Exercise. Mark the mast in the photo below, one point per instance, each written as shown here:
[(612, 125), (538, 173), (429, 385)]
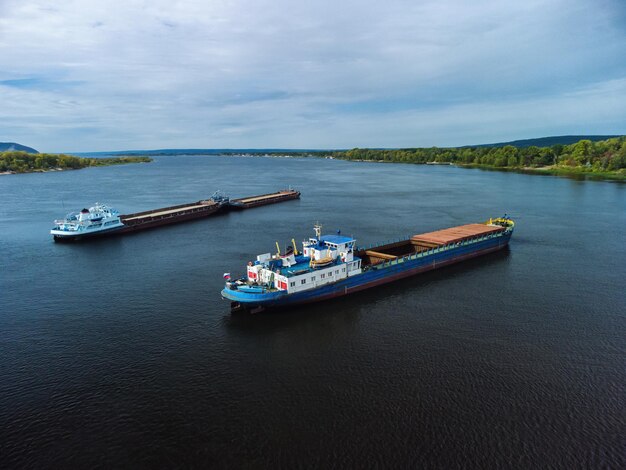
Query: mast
[(318, 231)]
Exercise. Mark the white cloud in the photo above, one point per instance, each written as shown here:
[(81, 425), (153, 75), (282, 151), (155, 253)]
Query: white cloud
[(135, 74)]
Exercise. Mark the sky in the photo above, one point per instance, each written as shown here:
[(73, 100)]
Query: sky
[(93, 75)]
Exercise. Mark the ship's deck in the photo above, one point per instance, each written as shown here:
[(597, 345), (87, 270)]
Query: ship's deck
[(423, 242), (456, 234), (296, 269), (170, 211), (261, 198)]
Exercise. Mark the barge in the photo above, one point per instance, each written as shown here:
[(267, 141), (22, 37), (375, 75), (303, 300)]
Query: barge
[(332, 265), (264, 199), (170, 215), (100, 221)]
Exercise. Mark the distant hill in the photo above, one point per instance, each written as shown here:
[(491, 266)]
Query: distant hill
[(194, 152), (10, 146), (548, 141), (540, 142)]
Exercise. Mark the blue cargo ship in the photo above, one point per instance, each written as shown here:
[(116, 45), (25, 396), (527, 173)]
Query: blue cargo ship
[(332, 265)]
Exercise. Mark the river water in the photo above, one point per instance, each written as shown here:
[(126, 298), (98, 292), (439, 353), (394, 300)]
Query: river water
[(120, 352)]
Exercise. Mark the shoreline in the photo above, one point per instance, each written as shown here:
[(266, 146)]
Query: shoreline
[(49, 170), (586, 159), (575, 172), (24, 164)]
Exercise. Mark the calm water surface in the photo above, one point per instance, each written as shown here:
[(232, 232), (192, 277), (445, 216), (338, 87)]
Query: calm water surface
[(120, 352)]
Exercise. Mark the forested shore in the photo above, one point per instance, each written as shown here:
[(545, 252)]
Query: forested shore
[(23, 162), (605, 158)]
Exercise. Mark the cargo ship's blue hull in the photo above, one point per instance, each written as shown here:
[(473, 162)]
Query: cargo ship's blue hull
[(374, 276)]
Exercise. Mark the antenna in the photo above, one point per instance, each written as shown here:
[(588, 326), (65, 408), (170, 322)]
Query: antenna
[(318, 230)]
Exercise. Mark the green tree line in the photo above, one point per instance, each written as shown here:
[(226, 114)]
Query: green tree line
[(23, 162), (601, 156)]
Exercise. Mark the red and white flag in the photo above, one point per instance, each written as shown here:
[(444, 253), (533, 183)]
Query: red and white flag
[(227, 276)]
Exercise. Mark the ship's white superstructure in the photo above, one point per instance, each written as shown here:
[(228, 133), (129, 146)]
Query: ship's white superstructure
[(325, 259), (88, 222)]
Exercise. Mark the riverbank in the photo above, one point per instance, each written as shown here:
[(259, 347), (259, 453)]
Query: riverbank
[(15, 162), (576, 172), (566, 172), (585, 159)]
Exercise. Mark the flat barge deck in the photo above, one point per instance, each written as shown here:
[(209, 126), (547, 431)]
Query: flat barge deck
[(264, 199), (200, 209), (169, 215)]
